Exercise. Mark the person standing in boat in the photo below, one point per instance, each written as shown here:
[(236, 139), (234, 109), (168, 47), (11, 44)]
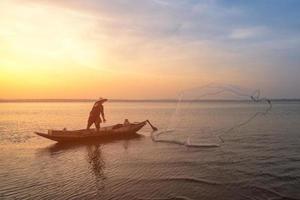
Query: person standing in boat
[(95, 113)]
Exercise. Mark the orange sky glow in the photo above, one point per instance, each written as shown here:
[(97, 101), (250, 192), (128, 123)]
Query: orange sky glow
[(52, 49)]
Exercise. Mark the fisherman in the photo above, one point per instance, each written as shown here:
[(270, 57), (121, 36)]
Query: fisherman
[(95, 113)]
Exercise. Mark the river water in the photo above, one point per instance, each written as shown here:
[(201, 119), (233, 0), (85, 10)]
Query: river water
[(259, 160)]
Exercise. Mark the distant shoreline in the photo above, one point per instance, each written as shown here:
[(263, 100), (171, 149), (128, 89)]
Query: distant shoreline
[(124, 100)]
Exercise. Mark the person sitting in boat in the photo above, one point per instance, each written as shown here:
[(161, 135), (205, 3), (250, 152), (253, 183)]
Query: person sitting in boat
[(126, 122), (95, 113)]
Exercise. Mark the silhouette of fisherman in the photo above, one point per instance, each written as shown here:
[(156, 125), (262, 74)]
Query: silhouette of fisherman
[(95, 113)]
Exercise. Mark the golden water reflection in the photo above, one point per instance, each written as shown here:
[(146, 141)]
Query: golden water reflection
[(88, 151)]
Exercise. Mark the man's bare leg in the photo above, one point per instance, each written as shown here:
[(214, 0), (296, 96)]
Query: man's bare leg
[(97, 124)]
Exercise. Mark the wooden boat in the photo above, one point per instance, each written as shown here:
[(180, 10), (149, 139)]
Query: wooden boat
[(116, 131)]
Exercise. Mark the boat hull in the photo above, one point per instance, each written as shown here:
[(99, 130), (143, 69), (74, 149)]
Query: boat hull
[(111, 132)]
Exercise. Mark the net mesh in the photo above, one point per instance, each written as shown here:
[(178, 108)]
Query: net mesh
[(204, 115)]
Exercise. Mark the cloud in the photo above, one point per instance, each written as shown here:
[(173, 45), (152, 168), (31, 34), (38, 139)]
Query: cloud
[(248, 32), (183, 37)]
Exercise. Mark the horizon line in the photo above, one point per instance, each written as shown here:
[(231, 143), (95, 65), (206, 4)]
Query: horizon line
[(49, 100)]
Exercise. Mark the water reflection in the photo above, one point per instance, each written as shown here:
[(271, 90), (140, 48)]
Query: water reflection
[(95, 159), (90, 154), (97, 165), (93, 148)]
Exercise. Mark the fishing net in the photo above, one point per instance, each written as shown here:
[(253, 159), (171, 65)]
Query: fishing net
[(205, 115)]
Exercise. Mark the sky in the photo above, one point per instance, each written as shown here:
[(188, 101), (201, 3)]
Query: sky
[(147, 49)]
